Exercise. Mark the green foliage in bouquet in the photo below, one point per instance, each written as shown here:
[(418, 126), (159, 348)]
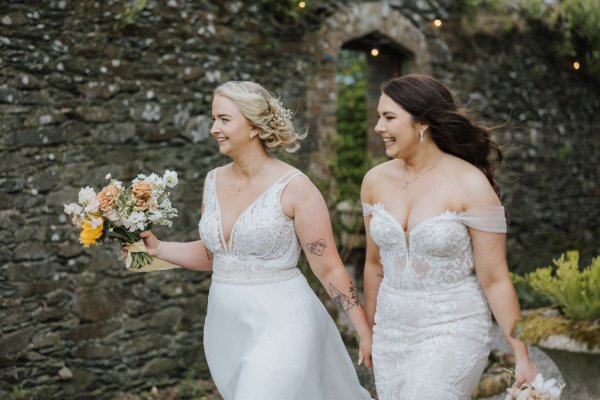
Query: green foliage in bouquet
[(576, 291)]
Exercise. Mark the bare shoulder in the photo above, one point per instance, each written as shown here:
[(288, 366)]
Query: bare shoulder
[(375, 174), (474, 187)]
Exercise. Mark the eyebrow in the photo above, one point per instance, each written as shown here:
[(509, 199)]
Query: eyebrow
[(387, 113), (223, 115)]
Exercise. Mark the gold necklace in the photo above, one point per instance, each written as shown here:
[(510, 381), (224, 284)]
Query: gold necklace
[(239, 187), (406, 182)]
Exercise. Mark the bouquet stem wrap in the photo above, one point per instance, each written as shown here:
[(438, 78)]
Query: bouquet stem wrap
[(156, 265)]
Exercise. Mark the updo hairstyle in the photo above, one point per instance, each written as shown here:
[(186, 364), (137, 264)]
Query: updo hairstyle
[(265, 112)]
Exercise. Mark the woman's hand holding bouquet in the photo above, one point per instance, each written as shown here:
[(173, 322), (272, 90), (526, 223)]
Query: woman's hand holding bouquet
[(123, 213)]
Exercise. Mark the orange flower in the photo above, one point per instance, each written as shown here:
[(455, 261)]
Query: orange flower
[(90, 235), (108, 197), (142, 190)]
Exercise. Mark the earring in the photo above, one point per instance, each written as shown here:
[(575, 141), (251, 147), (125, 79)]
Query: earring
[(422, 135)]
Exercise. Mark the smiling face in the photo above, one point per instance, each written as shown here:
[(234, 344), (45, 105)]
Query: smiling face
[(397, 128), (230, 128)]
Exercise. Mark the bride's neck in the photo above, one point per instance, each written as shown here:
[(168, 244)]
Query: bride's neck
[(247, 166), (422, 159)]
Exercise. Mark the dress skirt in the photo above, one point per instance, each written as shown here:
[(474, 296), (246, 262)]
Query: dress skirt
[(276, 341), (430, 345)]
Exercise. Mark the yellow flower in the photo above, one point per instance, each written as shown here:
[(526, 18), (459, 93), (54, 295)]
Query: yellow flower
[(90, 235)]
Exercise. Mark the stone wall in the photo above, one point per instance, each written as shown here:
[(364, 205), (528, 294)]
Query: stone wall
[(87, 88)]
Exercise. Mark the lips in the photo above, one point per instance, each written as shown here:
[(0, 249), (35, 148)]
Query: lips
[(388, 140)]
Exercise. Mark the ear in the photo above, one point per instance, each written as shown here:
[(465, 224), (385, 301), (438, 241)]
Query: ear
[(420, 126), (255, 131)]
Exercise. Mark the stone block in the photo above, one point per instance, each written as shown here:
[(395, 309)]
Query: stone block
[(159, 366), (97, 304), (168, 319), (15, 341)]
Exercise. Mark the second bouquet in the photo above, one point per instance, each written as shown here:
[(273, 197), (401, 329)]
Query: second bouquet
[(122, 213)]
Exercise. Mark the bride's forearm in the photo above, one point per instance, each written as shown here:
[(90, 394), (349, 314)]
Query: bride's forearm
[(505, 306), (344, 292), (189, 255)]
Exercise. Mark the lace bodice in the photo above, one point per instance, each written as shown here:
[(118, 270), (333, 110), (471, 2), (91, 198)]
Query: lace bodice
[(262, 246), (437, 253)]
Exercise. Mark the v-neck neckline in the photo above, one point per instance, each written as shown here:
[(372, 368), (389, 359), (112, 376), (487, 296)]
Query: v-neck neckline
[(227, 244)]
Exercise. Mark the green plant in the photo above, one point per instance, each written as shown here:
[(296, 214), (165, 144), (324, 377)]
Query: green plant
[(577, 25), (350, 160), (576, 291), (131, 12), (191, 388), (528, 297)]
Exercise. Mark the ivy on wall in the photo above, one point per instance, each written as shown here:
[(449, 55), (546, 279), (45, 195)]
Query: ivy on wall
[(573, 26), (350, 159)]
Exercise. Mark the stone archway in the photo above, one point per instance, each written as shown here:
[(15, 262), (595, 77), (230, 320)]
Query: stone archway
[(352, 23)]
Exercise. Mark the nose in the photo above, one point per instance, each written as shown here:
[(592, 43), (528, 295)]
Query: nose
[(379, 126), (214, 128)]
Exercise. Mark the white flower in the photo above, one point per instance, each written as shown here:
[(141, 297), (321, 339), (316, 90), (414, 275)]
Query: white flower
[(165, 204), (170, 178), (546, 387), (92, 206), (154, 179), (111, 215), (86, 195), (135, 221), (77, 220), (73, 209), (536, 390), (154, 215), (108, 176), (95, 221)]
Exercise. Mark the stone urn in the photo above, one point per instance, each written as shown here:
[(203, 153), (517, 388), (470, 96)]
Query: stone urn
[(573, 345)]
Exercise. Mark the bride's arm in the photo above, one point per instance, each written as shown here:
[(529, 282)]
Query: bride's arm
[(372, 275), (373, 271), (189, 255), (489, 251), (313, 228)]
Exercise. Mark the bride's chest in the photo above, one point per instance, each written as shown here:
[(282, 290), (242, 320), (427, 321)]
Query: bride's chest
[(441, 236)]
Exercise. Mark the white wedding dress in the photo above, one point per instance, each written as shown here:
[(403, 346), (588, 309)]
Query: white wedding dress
[(432, 323), (266, 335)]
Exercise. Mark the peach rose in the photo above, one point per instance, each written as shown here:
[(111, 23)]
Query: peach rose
[(142, 190), (108, 197)]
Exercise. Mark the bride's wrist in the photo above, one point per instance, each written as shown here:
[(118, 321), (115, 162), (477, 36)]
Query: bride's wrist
[(157, 254)]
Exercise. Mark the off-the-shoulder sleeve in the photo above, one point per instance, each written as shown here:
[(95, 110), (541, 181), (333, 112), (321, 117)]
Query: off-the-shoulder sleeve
[(488, 219)]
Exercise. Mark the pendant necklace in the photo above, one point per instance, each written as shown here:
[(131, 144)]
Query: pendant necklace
[(237, 186), (406, 182)]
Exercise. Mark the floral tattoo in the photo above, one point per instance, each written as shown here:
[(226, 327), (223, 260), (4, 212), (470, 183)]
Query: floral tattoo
[(317, 247), (341, 300)]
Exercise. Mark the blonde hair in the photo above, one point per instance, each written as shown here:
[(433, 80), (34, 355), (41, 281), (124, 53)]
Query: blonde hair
[(265, 112)]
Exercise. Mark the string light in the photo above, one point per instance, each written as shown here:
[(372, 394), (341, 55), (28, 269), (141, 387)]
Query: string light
[(437, 23), (576, 65), (302, 4), (374, 52)]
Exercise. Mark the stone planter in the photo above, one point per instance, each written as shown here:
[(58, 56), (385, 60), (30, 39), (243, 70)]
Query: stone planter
[(574, 346)]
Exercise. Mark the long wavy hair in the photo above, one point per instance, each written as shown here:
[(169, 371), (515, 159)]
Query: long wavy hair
[(451, 127)]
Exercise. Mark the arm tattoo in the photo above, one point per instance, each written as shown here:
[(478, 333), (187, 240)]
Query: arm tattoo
[(317, 247), (341, 300)]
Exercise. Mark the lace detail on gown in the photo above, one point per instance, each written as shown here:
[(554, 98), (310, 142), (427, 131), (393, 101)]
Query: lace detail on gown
[(262, 246), (432, 322)]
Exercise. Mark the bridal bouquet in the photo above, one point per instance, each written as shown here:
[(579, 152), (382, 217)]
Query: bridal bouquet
[(122, 213), (539, 389)]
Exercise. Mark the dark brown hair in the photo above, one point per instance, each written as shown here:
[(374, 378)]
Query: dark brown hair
[(452, 129)]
